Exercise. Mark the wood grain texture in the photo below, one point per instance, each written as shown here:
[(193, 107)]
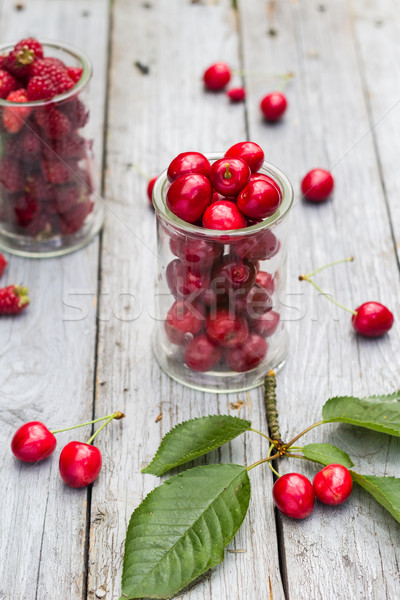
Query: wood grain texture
[(47, 358), (350, 551), (151, 119)]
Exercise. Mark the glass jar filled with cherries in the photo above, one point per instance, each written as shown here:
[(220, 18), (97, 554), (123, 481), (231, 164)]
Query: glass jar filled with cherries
[(222, 229)]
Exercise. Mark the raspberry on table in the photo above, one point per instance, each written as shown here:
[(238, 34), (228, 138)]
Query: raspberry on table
[(13, 299), (53, 122), (8, 83)]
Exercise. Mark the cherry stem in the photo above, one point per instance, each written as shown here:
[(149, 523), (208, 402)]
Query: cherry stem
[(289, 444), (332, 264), (242, 72), (117, 415), (227, 174), (269, 464), (285, 80), (263, 460), (140, 171), (328, 296), (264, 435)]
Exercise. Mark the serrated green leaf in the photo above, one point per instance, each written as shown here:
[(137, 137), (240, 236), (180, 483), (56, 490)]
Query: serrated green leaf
[(327, 454), (194, 438), (380, 413), (386, 490), (181, 529)]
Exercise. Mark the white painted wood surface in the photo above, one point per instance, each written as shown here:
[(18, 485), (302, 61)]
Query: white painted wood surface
[(57, 542)]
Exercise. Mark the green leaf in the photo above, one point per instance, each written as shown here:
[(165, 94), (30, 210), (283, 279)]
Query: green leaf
[(380, 413), (181, 528), (194, 438), (326, 454), (386, 490)]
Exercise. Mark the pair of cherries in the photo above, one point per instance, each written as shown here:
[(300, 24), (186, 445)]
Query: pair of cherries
[(295, 495), (79, 463), (228, 194), (217, 77)]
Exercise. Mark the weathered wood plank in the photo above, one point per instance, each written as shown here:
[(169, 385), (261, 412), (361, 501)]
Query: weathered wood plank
[(349, 551), (152, 118), (47, 357)]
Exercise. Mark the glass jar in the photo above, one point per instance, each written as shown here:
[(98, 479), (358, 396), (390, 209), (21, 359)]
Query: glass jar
[(219, 296), (48, 203)]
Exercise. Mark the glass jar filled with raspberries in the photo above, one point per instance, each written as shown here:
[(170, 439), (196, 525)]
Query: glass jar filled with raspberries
[(48, 204), (222, 228)]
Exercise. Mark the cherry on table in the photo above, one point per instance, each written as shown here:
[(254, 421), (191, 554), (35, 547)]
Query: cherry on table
[(201, 354), (317, 185), (217, 76), (333, 484), (273, 106), (260, 198), (372, 319), (247, 356), (250, 152), (223, 215), (237, 94), (225, 329), (294, 495), (229, 175), (150, 187), (189, 196), (188, 162), (33, 442), (184, 320), (79, 464)]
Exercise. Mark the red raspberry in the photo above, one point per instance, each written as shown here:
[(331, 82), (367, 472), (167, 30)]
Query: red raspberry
[(77, 113), (57, 172), (38, 188), (75, 73), (62, 81), (11, 175), (53, 122), (3, 264), (40, 224), (30, 44), (13, 299), (72, 221), (19, 62), (40, 88), (26, 209), (44, 67), (71, 147), (69, 196), (31, 146), (54, 71), (14, 118), (8, 83)]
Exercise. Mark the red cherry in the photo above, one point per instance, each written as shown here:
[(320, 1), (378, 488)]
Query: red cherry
[(247, 356), (217, 76), (333, 484), (189, 282), (262, 246), (229, 175), (199, 255), (266, 280), (237, 94), (251, 153), (231, 274), (201, 354), (216, 197), (188, 162), (266, 324), (189, 196), (273, 106), (225, 329), (183, 321), (372, 319), (294, 495), (33, 442), (253, 303), (259, 199), (223, 215), (317, 185), (150, 189), (80, 464)]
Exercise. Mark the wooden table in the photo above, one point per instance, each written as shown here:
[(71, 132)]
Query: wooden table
[(83, 346)]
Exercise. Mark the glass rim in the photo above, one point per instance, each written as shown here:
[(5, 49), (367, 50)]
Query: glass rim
[(75, 52), (269, 169)]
